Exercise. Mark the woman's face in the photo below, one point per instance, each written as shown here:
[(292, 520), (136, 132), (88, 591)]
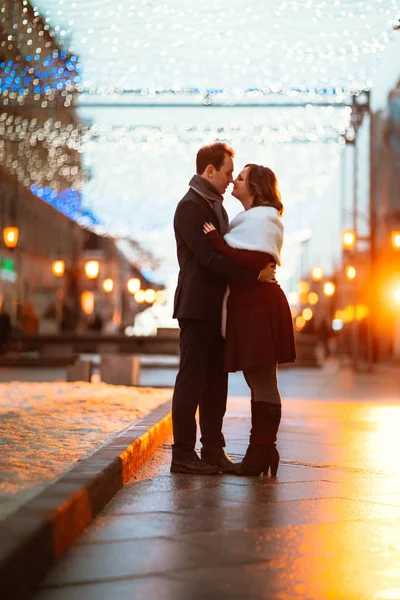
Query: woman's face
[(241, 190)]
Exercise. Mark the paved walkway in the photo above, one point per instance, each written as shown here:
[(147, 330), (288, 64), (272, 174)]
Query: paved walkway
[(327, 528)]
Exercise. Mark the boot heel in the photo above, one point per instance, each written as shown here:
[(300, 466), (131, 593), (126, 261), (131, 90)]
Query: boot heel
[(272, 462)]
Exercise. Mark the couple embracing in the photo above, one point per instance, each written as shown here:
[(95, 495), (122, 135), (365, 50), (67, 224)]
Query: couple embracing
[(233, 315)]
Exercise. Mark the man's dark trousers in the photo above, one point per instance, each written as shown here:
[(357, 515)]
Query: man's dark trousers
[(201, 383)]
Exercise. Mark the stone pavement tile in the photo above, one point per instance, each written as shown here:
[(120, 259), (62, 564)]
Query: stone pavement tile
[(282, 514), (141, 525), (327, 561), (226, 491), (209, 494), (90, 563), (143, 588)]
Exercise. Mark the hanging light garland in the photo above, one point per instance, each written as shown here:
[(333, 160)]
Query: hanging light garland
[(279, 45), (140, 51)]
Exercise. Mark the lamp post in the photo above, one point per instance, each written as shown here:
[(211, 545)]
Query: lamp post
[(11, 237), (58, 269)]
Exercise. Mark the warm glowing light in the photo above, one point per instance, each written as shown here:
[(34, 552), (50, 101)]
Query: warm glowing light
[(108, 285), (396, 240), (313, 298), (299, 323), (58, 268), (396, 295), (160, 296), (307, 314), (329, 288), (87, 302), (349, 314), (317, 274), (149, 296), (10, 235), (139, 296), (303, 287), (133, 285), (92, 268), (362, 311), (350, 272), (348, 239), (293, 298)]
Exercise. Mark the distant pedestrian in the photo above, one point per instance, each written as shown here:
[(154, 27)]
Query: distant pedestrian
[(96, 323), (325, 334), (29, 321), (5, 330)]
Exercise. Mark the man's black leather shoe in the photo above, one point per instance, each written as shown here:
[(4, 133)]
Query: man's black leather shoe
[(217, 457), (193, 465)]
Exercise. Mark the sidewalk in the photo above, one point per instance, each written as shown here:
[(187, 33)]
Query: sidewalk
[(327, 528)]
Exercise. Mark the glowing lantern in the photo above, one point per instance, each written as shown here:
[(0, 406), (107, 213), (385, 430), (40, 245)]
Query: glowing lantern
[(307, 314), (58, 268), (92, 268), (139, 296), (317, 274), (108, 285), (348, 239), (350, 272), (133, 285), (149, 296), (10, 235), (313, 298), (87, 302), (303, 287), (329, 288), (395, 240)]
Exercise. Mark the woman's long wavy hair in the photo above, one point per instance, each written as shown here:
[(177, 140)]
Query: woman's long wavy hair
[(263, 185)]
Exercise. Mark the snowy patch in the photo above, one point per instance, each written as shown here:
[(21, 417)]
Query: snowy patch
[(45, 428)]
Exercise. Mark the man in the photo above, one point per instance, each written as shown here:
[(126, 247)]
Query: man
[(201, 382)]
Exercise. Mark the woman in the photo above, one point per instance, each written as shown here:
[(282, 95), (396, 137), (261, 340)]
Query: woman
[(259, 328)]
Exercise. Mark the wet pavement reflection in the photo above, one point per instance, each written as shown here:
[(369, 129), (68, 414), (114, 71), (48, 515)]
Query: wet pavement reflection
[(327, 528)]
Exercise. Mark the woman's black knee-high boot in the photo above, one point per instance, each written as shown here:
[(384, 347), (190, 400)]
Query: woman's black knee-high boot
[(262, 454)]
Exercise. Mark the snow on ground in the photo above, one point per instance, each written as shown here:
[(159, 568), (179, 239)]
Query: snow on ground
[(46, 427)]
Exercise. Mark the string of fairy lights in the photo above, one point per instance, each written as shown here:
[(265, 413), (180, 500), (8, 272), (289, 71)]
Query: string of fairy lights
[(54, 54), (176, 45)]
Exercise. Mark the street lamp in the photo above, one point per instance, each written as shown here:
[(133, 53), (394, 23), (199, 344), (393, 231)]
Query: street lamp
[(348, 239), (317, 274), (160, 296), (58, 268), (139, 296), (10, 235), (149, 296), (108, 285), (350, 272), (329, 288), (133, 285), (395, 235), (92, 268), (313, 298), (303, 287)]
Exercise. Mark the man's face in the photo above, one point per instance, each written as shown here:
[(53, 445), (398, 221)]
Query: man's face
[(222, 178)]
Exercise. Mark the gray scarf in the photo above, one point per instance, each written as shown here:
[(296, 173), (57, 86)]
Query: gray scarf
[(206, 190)]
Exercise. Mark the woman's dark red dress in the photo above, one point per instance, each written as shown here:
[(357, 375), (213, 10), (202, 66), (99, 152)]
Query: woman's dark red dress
[(259, 327)]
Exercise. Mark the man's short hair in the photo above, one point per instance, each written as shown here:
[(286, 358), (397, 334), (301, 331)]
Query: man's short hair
[(213, 154)]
